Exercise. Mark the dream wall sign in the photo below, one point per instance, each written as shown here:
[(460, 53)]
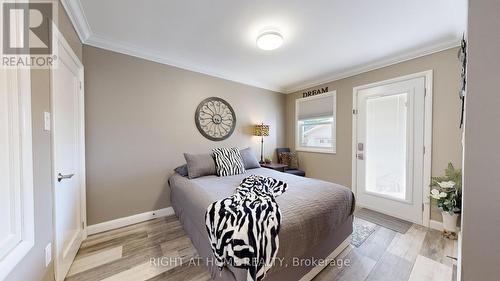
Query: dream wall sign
[(315, 92)]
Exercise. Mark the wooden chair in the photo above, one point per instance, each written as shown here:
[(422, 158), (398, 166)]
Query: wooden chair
[(296, 172)]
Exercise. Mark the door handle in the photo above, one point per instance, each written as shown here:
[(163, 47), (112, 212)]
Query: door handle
[(360, 146), (61, 177), (360, 156)]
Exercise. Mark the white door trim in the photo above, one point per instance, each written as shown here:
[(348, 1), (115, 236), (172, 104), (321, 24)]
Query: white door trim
[(60, 40), (17, 87), (428, 75)]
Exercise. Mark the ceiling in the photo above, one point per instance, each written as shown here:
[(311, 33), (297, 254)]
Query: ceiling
[(324, 39)]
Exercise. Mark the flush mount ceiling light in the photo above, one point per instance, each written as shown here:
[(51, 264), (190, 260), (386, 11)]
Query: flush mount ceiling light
[(269, 40)]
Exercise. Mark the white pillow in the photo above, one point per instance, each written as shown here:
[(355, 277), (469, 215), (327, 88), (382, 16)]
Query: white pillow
[(228, 161)]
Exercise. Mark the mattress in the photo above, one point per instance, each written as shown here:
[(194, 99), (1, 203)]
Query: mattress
[(316, 218)]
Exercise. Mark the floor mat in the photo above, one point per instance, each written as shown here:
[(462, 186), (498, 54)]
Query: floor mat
[(384, 220), (361, 230)]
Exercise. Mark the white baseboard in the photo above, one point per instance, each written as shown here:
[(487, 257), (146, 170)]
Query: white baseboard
[(437, 225), (121, 222), (317, 269)]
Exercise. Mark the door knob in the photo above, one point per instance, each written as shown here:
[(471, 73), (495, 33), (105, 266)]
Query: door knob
[(61, 177)]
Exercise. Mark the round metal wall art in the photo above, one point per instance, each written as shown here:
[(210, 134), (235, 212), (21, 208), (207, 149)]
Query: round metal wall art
[(215, 119)]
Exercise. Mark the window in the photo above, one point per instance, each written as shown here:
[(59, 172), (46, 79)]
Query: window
[(316, 123)]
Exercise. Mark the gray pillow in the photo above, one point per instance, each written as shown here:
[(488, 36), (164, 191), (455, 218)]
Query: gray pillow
[(249, 159), (182, 170), (199, 165)]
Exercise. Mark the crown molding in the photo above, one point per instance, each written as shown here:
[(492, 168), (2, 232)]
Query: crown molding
[(82, 27), (99, 42), (77, 17), (88, 37), (376, 65)]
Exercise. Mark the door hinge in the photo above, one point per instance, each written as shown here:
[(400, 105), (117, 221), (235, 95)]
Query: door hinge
[(424, 149), (80, 85), (422, 207), (425, 92), (83, 225), (355, 111)]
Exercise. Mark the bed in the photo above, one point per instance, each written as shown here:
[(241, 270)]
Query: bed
[(316, 220)]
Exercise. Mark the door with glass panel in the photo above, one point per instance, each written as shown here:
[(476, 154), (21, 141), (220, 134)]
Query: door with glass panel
[(389, 145)]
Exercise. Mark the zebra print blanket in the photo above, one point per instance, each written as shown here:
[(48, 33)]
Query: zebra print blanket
[(243, 228)]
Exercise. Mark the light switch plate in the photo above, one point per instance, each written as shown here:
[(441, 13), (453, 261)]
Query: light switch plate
[(48, 254), (46, 121)]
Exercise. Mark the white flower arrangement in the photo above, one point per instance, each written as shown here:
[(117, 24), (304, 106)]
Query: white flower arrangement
[(436, 194), (446, 196), (447, 190), (446, 184)]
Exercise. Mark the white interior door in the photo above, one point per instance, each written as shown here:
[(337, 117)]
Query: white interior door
[(389, 148), (68, 162)]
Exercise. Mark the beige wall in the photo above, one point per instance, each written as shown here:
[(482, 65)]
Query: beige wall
[(446, 139), (32, 267), (67, 29), (140, 119), (481, 208)]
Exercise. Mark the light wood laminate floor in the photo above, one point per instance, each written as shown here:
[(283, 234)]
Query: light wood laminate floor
[(124, 254)]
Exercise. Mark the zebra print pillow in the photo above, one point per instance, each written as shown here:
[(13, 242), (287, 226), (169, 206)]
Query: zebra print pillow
[(228, 161)]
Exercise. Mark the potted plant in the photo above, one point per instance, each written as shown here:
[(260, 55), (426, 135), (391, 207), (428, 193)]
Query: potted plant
[(447, 191), (268, 159)]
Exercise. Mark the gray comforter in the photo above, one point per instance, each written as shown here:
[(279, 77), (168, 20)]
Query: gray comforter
[(311, 210)]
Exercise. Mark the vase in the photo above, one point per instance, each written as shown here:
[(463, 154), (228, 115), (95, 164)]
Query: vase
[(450, 222)]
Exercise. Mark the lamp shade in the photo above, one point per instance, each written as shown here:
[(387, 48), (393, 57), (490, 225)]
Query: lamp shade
[(261, 130)]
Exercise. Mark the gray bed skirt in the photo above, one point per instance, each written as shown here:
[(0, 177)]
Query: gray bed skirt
[(279, 272)]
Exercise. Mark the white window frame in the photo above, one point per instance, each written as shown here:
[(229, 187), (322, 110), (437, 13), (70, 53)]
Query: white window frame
[(298, 147), (21, 167), (18, 93)]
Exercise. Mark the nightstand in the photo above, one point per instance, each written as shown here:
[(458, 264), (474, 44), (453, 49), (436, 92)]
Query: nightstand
[(275, 166)]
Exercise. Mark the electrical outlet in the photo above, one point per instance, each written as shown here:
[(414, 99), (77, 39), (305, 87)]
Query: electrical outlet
[(46, 121), (48, 254)]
